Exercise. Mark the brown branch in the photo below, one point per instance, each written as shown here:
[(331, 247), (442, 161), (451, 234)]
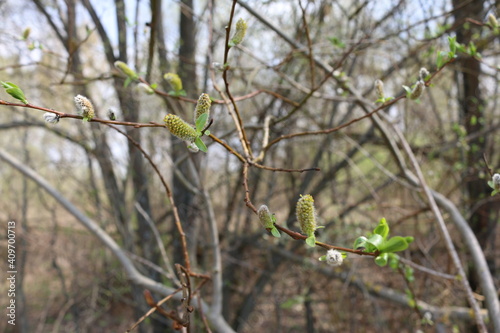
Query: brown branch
[(244, 140), (299, 236), (247, 200), (177, 218)]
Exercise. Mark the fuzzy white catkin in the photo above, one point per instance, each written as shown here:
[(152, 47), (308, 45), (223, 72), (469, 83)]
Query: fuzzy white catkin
[(334, 258)]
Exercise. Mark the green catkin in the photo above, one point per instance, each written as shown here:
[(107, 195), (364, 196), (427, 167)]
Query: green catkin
[(123, 67), (306, 214), (239, 35), (180, 128), (84, 107), (202, 107), (379, 86), (174, 80), (265, 217), (492, 20)]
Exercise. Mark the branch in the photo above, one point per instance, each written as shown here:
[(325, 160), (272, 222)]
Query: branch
[(133, 274)]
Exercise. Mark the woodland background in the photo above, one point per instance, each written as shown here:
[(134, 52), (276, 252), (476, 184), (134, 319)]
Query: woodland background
[(304, 69)]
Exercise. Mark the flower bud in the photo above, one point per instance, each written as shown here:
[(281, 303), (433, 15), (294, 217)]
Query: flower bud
[(174, 80), (492, 20), (265, 217), (379, 86), (423, 73), (417, 90), (306, 215), (111, 114), (180, 128), (203, 106), (241, 30), (84, 107), (51, 118), (123, 67), (145, 88), (193, 147), (334, 258), (26, 33), (496, 181)]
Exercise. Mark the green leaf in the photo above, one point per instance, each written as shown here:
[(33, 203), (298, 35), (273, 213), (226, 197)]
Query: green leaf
[(14, 91), (382, 229), (200, 144), (395, 244), (440, 59), (382, 259), (128, 80), (452, 43), (360, 243), (407, 89), (201, 121), (336, 42), (275, 232), (376, 241), (322, 258), (311, 241), (393, 260), (154, 85)]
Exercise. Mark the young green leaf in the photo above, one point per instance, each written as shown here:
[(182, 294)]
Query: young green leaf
[(311, 241), (275, 232), (201, 121), (394, 244), (360, 243), (382, 259), (440, 61), (200, 144), (14, 91), (375, 241), (382, 229), (452, 43)]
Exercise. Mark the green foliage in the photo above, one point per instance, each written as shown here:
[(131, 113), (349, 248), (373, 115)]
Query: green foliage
[(311, 241), (200, 144), (379, 242), (336, 42), (14, 91)]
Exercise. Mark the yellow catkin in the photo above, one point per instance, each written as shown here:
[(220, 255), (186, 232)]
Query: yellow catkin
[(180, 128), (203, 106), (306, 214)]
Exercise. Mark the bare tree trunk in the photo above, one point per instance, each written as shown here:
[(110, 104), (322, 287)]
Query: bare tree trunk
[(472, 106)]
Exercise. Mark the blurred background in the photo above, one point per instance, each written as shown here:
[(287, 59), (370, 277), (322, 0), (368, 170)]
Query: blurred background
[(303, 66)]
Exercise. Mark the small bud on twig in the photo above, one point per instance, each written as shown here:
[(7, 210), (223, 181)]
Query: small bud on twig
[(379, 86), (423, 73), (51, 118), (334, 258)]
